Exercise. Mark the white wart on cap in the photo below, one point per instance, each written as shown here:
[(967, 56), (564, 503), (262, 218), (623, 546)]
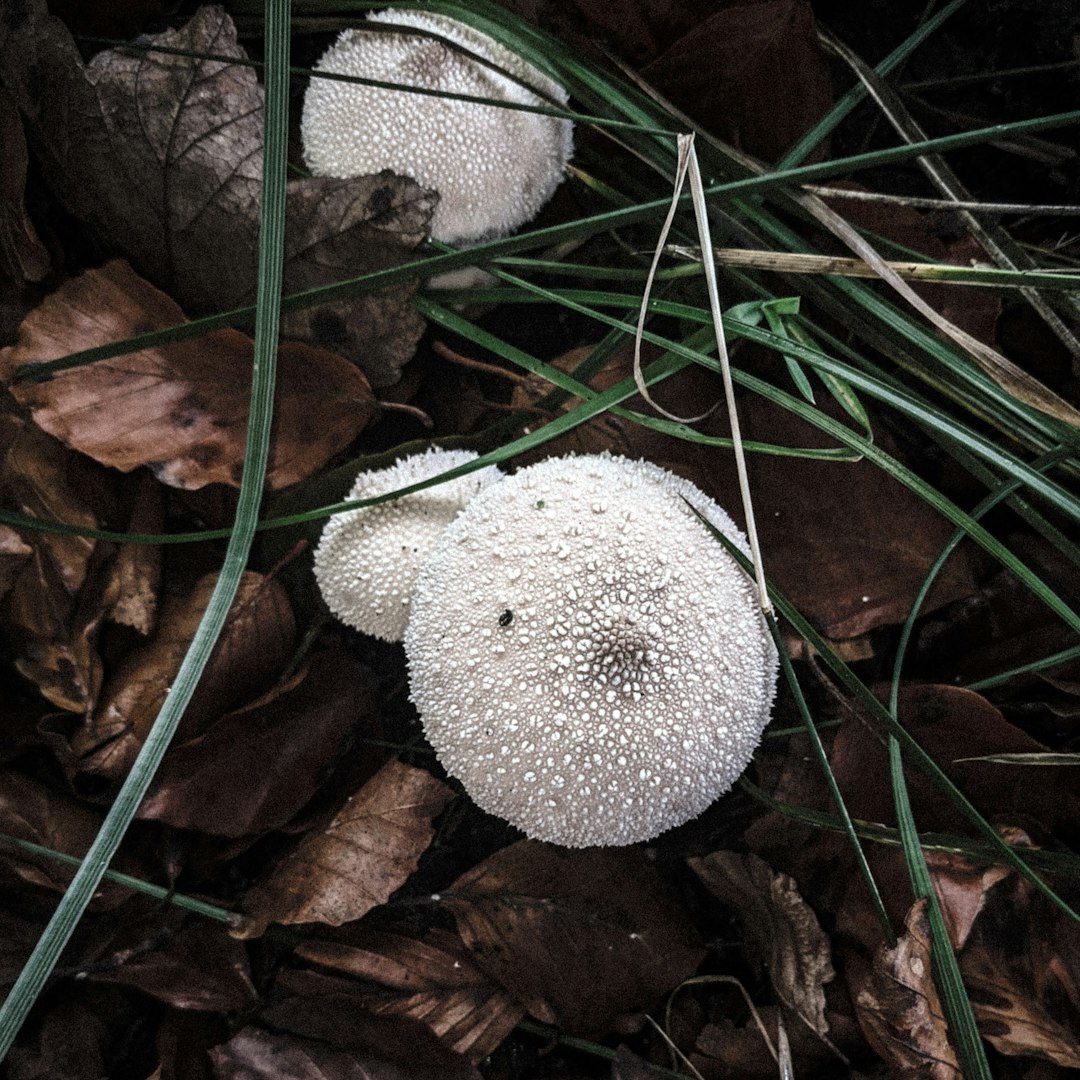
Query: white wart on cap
[(493, 168), (367, 560), (586, 658)]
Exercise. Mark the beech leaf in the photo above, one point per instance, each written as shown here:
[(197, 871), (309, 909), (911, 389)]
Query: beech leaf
[(583, 939), (181, 409), (366, 853)]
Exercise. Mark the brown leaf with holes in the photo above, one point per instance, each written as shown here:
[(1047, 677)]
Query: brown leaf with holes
[(254, 643), (287, 740), (899, 1008), (783, 934), (366, 853), (181, 409), (433, 979), (584, 939), (162, 154), (56, 600)]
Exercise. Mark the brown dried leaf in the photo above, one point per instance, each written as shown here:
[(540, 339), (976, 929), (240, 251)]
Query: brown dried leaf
[(286, 743), (366, 853), (582, 938), (55, 603), (162, 154), (200, 967), (1022, 970), (254, 1054), (752, 73), (181, 409), (899, 1008), (136, 570), (13, 553), (255, 642), (783, 933), (433, 979), (23, 257)]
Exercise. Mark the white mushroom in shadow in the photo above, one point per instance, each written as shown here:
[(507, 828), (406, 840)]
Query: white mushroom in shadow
[(367, 560), (586, 658), (493, 168)]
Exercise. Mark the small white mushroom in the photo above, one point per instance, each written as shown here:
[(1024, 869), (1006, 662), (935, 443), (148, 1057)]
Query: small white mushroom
[(586, 658), (367, 560), (493, 168)]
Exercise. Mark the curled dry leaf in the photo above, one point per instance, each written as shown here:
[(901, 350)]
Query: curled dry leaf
[(366, 853), (433, 979), (899, 1008), (783, 934), (162, 154), (584, 939), (286, 741), (254, 644), (181, 409)]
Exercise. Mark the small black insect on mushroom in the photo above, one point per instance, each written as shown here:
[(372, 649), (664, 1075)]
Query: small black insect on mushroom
[(506, 618)]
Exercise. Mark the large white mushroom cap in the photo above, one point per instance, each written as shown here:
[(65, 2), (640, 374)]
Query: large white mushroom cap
[(367, 560), (587, 659), (493, 168)]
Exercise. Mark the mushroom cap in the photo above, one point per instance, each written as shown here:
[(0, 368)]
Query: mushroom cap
[(493, 168), (367, 560), (586, 658)]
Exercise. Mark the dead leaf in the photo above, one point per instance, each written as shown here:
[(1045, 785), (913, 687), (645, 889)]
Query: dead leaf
[(255, 642), (181, 409), (13, 553), (23, 257), (782, 932), (364, 855), (962, 886), (287, 743), (1021, 966), (136, 570), (56, 602), (583, 939), (198, 966), (162, 155), (433, 979), (751, 73), (394, 1047), (900, 1010)]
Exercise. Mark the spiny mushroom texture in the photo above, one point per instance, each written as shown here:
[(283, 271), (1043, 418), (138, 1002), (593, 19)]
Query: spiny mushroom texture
[(367, 560), (587, 659), (493, 168)]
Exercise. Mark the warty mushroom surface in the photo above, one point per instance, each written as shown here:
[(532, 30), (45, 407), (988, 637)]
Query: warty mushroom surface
[(493, 168), (587, 659), (367, 560)]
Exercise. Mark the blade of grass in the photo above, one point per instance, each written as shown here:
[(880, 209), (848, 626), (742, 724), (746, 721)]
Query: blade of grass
[(32, 978)]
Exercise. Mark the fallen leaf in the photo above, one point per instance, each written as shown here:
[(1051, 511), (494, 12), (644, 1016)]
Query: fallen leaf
[(13, 553), (433, 979), (253, 645), (1021, 966), (287, 743), (751, 73), (23, 257), (583, 939), (55, 604), (391, 1046), (783, 934), (136, 570), (198, 967), (162, 155), (365, 854), (181, 409), (899, 1008), (962, 886)]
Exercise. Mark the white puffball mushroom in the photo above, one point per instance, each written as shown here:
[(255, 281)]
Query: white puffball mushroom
[(586, 657), (367, 560), (493, 168)]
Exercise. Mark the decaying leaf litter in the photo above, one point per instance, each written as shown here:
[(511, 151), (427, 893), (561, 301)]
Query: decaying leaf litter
[(385, 923)]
